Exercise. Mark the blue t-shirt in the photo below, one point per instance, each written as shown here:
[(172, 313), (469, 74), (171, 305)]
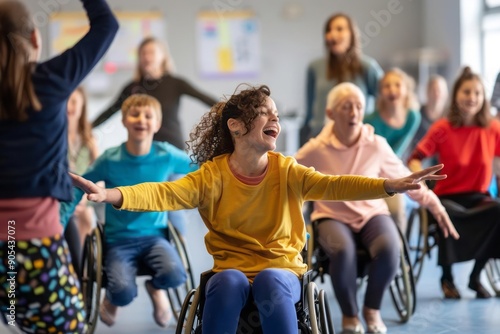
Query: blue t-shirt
[(117, 167)]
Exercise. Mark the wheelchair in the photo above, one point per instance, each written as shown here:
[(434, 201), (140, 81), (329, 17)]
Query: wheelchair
[(423, 236), (313, 313), (93, 274), (402, 288)]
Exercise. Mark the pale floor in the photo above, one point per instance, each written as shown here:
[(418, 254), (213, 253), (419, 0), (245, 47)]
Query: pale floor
[(433, 314)]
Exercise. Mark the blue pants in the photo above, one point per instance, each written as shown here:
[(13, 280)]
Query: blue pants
[(123, 258), (275, 292)]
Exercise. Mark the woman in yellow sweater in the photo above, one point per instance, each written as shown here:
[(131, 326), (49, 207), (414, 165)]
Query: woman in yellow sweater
[(250, 198)]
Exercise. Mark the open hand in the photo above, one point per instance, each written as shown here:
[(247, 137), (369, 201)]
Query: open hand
[(412, 181), (446, 225), (93, 191)]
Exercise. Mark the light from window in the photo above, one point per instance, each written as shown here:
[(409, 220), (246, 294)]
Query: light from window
[(491, 50), (493, 3)]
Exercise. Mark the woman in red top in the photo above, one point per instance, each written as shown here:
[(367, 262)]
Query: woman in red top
[(466, 142)]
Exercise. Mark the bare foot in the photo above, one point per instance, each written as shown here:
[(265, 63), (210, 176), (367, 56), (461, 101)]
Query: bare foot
[(161, 305), (107, 312), (374, 323)]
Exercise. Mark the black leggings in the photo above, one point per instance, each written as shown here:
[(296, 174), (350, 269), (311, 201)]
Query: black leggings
[(380, 237)]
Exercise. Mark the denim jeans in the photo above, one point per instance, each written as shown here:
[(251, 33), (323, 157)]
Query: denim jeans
[(275, 292), (123, 258)]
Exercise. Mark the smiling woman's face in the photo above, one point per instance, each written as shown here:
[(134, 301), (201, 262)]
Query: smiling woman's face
[(339, 36)]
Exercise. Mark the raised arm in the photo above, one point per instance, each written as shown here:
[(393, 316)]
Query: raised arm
[(73, 65), (114, 107)]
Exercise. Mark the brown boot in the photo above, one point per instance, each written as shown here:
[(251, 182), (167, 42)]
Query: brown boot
[(450, 291)]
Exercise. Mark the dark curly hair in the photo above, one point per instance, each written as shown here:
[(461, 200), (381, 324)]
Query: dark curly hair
[(211, 137), (455, 117)]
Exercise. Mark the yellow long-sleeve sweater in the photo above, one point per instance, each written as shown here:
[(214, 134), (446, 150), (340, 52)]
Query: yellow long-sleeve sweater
[(252, 227)]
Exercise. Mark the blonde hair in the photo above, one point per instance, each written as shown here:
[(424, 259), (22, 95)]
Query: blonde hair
[(339, 91), (411, 101), (17, 92), (142, 100), (167, 64)]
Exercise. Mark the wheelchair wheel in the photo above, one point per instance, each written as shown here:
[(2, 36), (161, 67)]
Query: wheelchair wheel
[(493, 273), (319, 313), (418, 238), (402, 288), (176, 296), (92, 277), (189, 317)]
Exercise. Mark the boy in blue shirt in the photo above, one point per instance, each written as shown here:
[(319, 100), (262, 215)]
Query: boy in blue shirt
[(137, 236)]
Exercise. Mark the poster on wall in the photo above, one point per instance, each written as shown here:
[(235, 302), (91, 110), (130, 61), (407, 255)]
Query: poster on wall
[(66, 28), (228, 44)]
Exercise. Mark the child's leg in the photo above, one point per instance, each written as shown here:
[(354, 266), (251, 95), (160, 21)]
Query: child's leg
[(43, 287), (121, 271), (275, 292), (164, 260), (226, 293)]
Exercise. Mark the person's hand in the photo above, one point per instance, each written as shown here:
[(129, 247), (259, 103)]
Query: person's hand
[(445, 224), (93, 191), (412, 181)]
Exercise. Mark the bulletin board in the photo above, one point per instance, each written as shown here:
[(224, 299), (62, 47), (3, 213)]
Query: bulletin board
[(228, 44), (66, 28)]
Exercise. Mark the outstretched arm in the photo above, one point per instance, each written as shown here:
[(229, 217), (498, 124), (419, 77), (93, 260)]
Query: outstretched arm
[(412, 181), (96, 193)]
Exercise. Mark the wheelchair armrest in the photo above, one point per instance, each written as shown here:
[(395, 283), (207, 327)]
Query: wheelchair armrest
[(457, 210)]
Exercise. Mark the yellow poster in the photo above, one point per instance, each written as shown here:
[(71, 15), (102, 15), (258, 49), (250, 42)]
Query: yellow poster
[(67, 28), (228, 44)]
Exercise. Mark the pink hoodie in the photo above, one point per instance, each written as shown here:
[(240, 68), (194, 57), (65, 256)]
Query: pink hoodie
[(370, 156)]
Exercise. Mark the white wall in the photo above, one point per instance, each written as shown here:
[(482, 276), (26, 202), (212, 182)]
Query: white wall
[(441, 30), (288, 43)]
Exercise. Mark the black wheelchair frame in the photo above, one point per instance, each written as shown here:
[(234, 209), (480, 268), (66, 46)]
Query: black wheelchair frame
[(93, 276), (423, 235), (313, 313)]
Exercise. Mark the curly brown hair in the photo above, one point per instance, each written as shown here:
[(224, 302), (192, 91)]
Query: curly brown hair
[(455, 117), (211, 137)]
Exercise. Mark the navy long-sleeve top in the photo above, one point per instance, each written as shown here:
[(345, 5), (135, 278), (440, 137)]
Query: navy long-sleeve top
[(33, 153)]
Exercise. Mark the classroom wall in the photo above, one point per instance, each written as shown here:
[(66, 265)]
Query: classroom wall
[(291, 37)]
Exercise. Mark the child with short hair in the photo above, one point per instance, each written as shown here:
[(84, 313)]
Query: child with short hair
[(133, 237)]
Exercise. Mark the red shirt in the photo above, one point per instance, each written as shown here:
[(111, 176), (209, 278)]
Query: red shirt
[(467, 153)]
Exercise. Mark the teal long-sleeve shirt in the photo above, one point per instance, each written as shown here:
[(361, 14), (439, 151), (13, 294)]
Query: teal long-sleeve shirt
[(117, 167), (398, 139)]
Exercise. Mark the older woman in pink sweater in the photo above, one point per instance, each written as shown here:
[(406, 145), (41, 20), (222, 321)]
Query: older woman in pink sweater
[(347, 146)]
